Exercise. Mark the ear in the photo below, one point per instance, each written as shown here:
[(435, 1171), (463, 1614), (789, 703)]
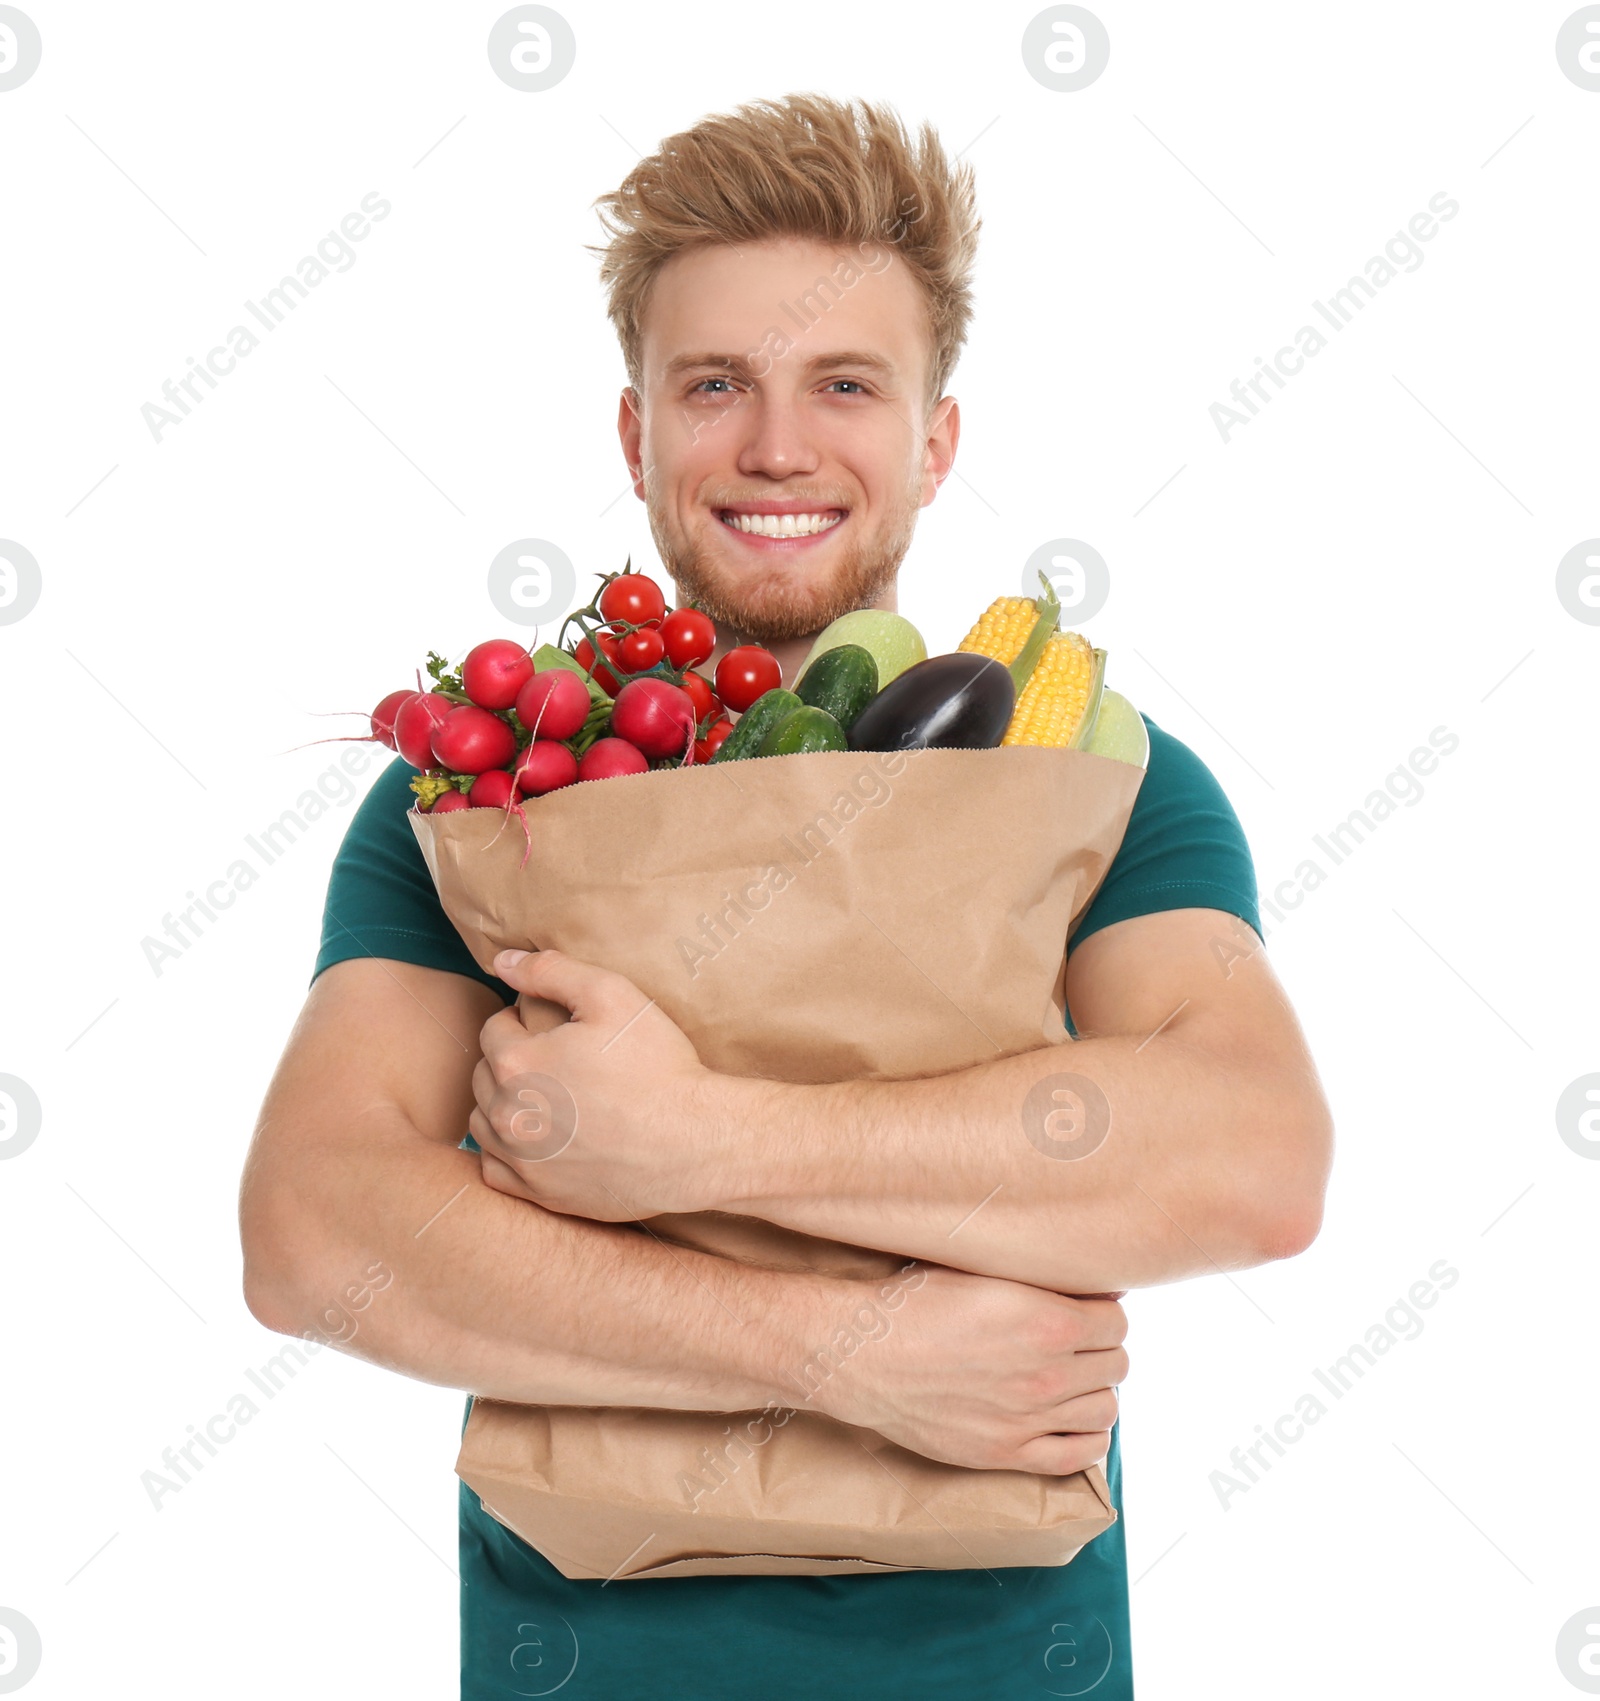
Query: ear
[(630, 432)]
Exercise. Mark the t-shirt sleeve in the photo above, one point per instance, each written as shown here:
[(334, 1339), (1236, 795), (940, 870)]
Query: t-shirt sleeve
[(1183, 848), (381, 899)]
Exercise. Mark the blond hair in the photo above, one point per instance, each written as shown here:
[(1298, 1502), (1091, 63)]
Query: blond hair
[(844, 173)]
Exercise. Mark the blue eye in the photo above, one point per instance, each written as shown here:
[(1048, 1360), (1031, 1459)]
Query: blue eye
[(704, 381), (856, 381)]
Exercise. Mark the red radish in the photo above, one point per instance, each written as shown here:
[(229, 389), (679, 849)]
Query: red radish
[(469, 739), (608, 757), (492, 789), (414, 724), (383, 717), (448, 800), (553, 704), (546, 766), (655, 716), (495, 672)]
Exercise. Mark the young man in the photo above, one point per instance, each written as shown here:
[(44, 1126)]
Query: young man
[(790, 287)]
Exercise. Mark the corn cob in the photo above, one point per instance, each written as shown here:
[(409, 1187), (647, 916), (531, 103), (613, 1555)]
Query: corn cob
[(1002, 629), (1058, 691), (1054, 701)]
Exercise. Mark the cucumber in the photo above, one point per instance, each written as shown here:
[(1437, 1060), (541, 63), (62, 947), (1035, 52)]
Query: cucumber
[(756, 722), (801, 732), (842, 680)]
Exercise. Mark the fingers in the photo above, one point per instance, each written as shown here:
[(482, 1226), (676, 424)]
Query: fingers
[(1087, 1414), (1101, 1323), (1062, 1455), (1102, 1369), (480, 1128), (498, 1039), (504, 1179), (589, 992), (1079, 1392)]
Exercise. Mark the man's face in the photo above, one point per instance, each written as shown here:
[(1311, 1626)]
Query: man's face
[(768, 392)]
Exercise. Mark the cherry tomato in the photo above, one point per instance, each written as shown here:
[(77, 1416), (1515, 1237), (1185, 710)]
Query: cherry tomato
[(639, 651), (633, 597), (604, 677), (707, 747), (689, 636), (701, 694), (745, 674)]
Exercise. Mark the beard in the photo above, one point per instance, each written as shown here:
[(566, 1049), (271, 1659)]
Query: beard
[(768, 605)]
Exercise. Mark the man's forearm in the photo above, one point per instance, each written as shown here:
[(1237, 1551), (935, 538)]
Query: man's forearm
[(502, 1298), (1097, 1166)]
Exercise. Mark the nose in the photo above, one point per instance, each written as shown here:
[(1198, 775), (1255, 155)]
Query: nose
[(776, 443)]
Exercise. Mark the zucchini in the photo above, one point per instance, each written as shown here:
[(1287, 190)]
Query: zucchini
[(842, 681), (756, 722), (804, 730)]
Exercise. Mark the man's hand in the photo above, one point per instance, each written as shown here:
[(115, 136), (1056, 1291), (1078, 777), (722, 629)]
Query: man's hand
[(974, 1370), (592, 1117)]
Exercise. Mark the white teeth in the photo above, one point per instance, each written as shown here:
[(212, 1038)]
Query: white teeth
[(782, 525)]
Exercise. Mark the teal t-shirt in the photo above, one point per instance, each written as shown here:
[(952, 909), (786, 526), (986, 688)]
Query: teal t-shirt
[(1015, 1634)]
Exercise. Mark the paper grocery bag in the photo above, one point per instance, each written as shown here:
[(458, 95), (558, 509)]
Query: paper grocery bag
[(821, 917)]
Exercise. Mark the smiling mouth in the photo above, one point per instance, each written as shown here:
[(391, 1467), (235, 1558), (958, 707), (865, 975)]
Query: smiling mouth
[(783, 525)]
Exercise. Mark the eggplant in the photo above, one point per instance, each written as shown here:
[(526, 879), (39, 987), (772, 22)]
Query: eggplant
[(959, 701)]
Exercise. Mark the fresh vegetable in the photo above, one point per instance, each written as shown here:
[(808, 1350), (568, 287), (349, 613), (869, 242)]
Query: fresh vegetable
[(609, 757), (469, 739), (1119, 732), (744, 674), (639, 651), (756, 722), (414, 725), (554, 704), (804, 730), (961, 702), (1060, 704), (842, 680), (705, 700), (494, 672), (890, 639), (492, 790), (383, 717), (705, 749), (656, 717), (548, 656), (545, 766), (619, 693), (689, 636), (632, 597), (1058, 675), (604, 676)]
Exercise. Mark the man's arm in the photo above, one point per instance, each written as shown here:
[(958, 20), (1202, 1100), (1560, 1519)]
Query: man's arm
[(355, 1160), (355, 1164), (1184, 1132)]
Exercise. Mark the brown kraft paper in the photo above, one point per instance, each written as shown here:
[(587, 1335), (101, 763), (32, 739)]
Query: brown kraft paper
[(830, 916)]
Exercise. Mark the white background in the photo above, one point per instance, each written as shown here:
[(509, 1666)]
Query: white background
[(1373, 557)]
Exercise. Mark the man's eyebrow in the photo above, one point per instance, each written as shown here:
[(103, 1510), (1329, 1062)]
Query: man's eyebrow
[(860, 358)]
